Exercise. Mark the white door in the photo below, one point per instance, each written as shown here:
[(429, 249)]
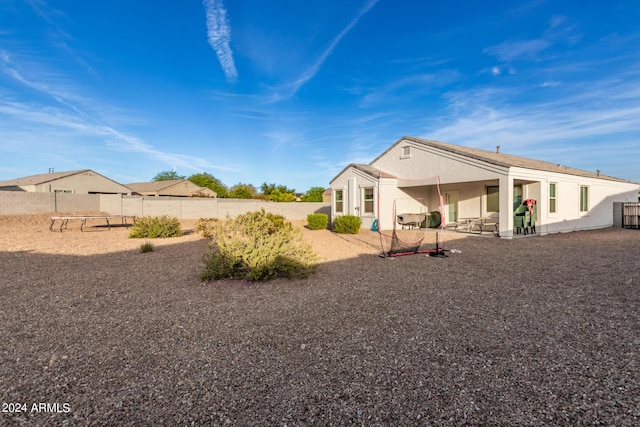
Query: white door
[(451, 207)]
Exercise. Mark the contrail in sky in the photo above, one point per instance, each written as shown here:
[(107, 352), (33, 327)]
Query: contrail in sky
[(219, 35), (309, 73)]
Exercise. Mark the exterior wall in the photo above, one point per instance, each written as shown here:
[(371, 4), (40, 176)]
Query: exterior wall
[(472, 197), (83, 183), (425, 162), (293, 210), (568, 217), (388, 193), (468, 178), (76, 202), (352, 182), (14, 202)]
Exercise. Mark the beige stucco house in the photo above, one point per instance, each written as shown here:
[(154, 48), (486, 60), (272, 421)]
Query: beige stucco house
[(83, 181), (476, 183), (174, 187)]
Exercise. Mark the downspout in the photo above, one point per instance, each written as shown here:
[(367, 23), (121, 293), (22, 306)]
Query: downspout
[(378, 213)]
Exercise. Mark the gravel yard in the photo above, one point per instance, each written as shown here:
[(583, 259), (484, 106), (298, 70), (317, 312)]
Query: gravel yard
[(535, 331)]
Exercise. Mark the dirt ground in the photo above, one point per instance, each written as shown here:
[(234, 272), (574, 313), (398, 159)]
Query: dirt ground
[(534, 331)]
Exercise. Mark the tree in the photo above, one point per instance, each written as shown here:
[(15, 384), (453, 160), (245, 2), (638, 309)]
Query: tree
[(167, 176), (314, 194), (242, 191), (278, 193), (280, 196), (211, 182)]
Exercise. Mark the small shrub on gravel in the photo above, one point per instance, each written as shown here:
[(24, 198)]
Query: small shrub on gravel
[(152, 227), (347, 224), (206, 226), (317, 221), (146, 247), (257, 246)]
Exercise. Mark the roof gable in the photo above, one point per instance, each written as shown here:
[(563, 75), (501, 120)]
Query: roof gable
[(500, 159), (41, 178), (154, 186), (367, 169), (172, 187)]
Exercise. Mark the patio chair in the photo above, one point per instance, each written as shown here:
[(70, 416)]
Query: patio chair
[(530, 222), (519, 219)]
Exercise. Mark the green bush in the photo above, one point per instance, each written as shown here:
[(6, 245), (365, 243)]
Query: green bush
[(206, 226), (152, 227), (146, 247), (347, 224), (257, 246), (317, 221)]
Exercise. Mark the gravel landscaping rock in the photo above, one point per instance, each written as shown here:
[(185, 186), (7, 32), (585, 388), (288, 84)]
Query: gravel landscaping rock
[(535, 331)]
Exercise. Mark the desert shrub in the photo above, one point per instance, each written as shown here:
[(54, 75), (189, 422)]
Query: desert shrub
[(206, 226), (257, 246), (317, 221), (146, 247), (347, 224), (152, 227)]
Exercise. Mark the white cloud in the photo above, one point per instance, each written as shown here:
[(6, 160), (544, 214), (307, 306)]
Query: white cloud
[(550, 83), (219, 36), (412, 84), (589, 125), (72, 116), (518, 49), (289, 89)]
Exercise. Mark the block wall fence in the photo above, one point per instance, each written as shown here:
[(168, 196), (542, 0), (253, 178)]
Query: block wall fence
[(23, 203)]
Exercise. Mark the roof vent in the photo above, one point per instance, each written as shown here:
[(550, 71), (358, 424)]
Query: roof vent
[(50, 170), (598, 172), (497, 149)]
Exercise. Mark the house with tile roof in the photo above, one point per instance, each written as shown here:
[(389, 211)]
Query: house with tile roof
[(83, 181), (173, 187), (463, 183)]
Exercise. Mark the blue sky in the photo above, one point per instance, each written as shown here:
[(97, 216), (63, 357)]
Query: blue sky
[(290, 92)]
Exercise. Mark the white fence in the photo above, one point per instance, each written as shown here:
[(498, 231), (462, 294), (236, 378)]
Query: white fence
[(17, 202)]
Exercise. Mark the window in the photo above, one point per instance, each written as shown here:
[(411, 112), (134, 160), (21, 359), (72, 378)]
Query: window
[(339, 194), (368, 200), (406, 152), (517, 196), (552, 197), (584, 198), (493, 198)]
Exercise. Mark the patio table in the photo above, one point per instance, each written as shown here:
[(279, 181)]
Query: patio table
[(64, 220)]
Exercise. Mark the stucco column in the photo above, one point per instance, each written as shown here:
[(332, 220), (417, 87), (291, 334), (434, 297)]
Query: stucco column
[(352, 196), (506, 206)]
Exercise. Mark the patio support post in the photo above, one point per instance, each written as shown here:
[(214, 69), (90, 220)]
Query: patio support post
[(506, 206), (351, 196)]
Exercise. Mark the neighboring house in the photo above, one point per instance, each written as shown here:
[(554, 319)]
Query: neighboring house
[(476, 183), (326, 196), (83, 181), (174, 187)]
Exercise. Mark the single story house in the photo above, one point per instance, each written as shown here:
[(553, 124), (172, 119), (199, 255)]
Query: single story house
[(83, 181), (173, 187), (326, 196), (418, 175)]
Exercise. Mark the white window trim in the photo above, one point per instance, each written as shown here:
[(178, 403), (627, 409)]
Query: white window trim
[(373, 209), (335, 202), (486, 199), (554, 198), (584, 212)]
